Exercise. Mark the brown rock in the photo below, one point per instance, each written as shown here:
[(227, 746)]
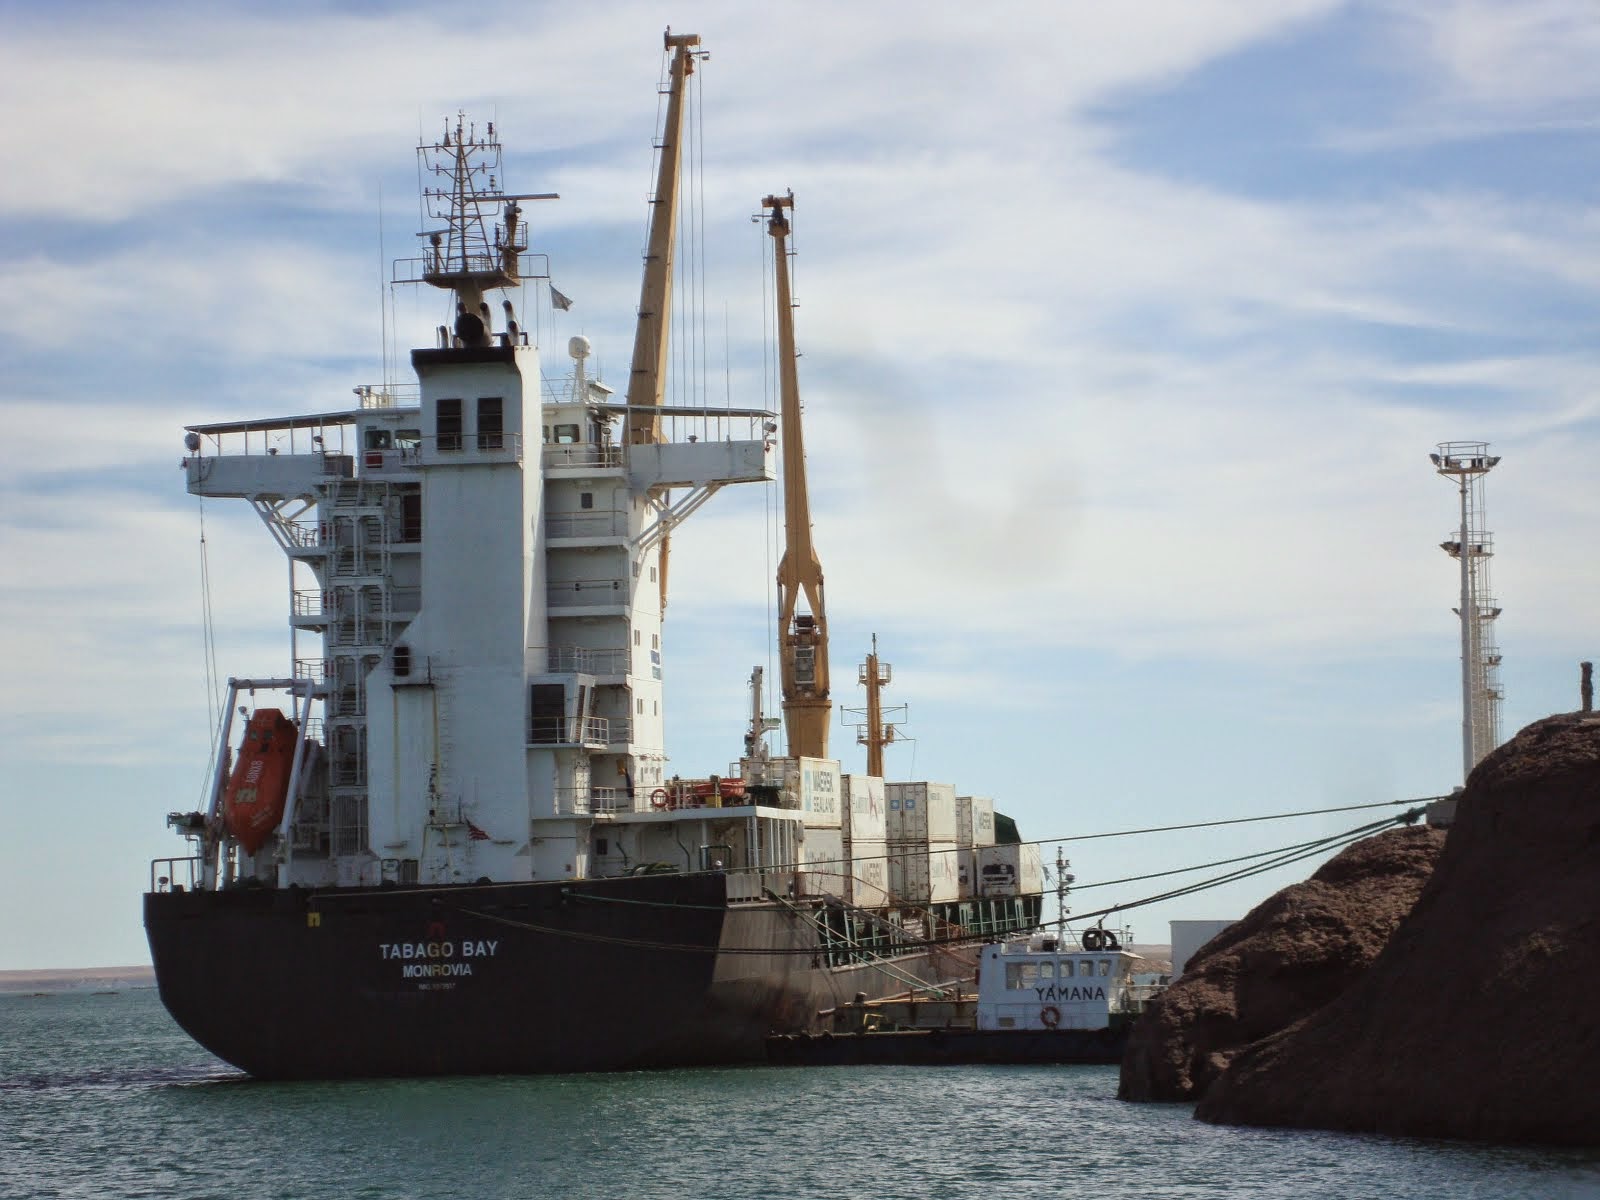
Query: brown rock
[(1478, 1020), (1292, 954)]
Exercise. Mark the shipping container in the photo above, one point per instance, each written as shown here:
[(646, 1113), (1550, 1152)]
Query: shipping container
[(921, 812), (819, 793), (974, 821), (967, 872), (924, 873), (866, 808), (869, 871), (1015, 870), (824, 865), (808, 784)]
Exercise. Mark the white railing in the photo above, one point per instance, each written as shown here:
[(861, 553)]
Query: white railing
[(604, 523), (582, 454), (583, 592), (495, 447), (569, 731), (586, 660), (309, 603), (389, 395)]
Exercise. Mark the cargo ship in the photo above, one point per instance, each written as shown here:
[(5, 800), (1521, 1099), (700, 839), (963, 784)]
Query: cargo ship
[(447, 840)]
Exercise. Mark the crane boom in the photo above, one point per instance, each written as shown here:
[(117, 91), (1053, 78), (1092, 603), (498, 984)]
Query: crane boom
[(647, 381), (802, 636)]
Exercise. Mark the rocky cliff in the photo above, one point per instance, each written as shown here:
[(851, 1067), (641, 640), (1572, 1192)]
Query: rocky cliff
[(1481, 1017), (1292, 954)]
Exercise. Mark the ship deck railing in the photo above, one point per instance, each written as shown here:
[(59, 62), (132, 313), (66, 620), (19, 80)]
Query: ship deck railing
[(169, 873), (594, 732), (579, 593), (592, 523), (587, 660)]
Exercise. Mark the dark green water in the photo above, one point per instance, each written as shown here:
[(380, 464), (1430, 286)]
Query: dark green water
[(102, 1096)]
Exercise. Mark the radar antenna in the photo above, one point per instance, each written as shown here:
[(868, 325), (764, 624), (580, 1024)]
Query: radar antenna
[(480, 246)]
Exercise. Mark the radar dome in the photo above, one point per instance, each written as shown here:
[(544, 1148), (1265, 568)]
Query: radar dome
[(578, 347)]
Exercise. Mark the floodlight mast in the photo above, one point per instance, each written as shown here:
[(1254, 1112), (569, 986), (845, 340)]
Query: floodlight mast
[(1472, 546)]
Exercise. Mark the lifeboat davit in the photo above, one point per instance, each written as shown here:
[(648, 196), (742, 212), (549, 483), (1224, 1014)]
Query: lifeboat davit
[(253, 805)]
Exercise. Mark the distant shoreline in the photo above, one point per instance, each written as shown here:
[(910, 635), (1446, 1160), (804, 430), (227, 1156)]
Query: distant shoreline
[(77, 979)]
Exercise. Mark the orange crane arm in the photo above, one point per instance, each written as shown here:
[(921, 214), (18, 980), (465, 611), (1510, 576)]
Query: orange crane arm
[(647, 381), (802, 635)]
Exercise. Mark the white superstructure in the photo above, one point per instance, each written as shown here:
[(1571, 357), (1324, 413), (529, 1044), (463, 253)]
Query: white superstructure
[(476, 596)]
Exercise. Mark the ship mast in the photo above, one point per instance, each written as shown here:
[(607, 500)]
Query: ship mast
[(647, 381), (473, 253), (875, 735), (802, 636)]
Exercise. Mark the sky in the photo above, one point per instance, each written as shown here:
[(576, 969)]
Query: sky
[(1125, 332)]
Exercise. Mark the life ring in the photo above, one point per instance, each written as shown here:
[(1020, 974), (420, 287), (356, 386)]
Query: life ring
[(659, 799), (1093, 939), (1050, 1015)]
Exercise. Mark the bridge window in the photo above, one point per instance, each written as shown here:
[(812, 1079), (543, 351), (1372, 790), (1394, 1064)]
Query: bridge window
[(566, 435), (1085, 967), (377, 439), (1105, 966), (447, 425), (585, 499), (1047, 970), (491, 423)]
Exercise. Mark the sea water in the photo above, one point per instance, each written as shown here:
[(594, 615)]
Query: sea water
[(103, 1096)]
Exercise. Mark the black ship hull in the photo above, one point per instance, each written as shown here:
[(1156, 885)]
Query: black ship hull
[(526, 978)]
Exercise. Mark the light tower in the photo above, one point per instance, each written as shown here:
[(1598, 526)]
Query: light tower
[(1472, 547)]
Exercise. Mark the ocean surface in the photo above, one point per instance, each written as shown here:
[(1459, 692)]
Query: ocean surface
[(103, 1096)]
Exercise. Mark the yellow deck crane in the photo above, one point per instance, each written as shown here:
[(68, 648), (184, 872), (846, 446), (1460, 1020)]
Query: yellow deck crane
[(802, 635), (647, 381)]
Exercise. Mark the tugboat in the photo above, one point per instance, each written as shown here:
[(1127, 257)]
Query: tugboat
[(469, 856), (1038, 1000)]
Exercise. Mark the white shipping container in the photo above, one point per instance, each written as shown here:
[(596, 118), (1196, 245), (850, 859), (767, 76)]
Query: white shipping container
[(819, 793), (866, 808), (869, 872), (824, 865), (808, 784), (921, 812), (1014, 870), (777, 774), (974, 821), (921, 873), (967, 872)]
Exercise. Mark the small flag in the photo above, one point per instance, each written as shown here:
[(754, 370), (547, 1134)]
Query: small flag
[(560, 301), (475, 833)]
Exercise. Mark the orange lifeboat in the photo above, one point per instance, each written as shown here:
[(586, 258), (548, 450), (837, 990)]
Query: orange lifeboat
[(253, 805), (715, 791)]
